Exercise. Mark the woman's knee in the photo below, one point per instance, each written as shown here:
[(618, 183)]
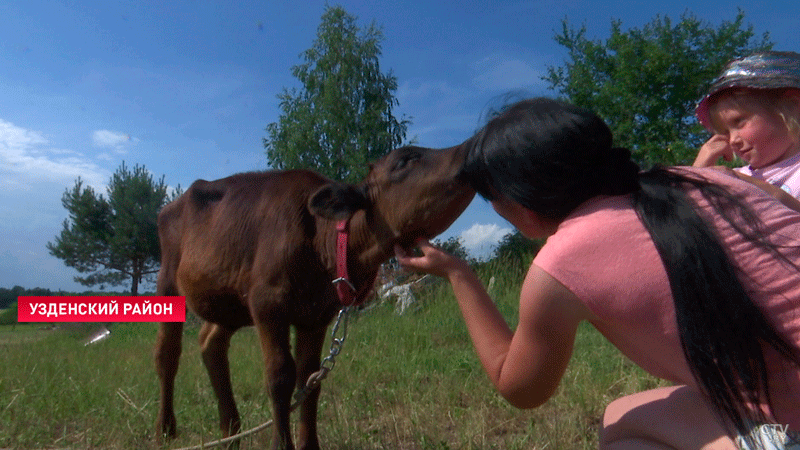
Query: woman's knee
[(638, 409), (675, 417)]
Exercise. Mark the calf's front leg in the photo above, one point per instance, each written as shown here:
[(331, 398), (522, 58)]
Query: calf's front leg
[(280, 378), (308, 349)]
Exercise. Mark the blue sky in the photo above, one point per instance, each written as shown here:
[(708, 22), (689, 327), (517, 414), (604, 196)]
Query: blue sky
[(187, 87)]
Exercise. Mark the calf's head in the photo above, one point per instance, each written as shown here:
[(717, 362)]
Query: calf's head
[(411, 193)]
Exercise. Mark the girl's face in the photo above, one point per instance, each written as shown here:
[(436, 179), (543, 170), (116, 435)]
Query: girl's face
[(530, 224), (755, 132)]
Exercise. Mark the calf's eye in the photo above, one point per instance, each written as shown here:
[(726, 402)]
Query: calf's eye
[(403, 162)]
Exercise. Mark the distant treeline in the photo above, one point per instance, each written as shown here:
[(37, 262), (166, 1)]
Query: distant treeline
[(8, 297)]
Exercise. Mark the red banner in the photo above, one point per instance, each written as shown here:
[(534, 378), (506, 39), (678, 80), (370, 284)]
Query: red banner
[(101, 309)]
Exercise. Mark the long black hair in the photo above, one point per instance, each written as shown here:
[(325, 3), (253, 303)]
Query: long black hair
[(550, 157)]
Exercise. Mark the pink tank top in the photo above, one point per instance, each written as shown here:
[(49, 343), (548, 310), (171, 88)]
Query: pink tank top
[(605, 256)]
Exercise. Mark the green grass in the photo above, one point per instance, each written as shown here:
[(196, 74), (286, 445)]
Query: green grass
[(401, 382)]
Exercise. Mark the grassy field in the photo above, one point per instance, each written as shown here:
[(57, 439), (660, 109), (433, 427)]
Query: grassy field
[(401, 382)]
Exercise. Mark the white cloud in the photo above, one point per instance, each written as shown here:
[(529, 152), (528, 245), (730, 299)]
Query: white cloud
[(442, 112), (418, 91), (446, 111), (33, 176), (12, 136), (501, 73), (27, 157), (113, 140), (481, 239)]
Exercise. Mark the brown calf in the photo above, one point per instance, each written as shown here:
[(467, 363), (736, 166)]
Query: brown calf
[(260, 249)]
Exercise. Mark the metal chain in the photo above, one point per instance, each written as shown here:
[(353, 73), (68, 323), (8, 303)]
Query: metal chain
[(327, 364)]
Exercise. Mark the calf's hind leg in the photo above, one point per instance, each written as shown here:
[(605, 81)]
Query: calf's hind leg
[(214, 343), (167, 355)]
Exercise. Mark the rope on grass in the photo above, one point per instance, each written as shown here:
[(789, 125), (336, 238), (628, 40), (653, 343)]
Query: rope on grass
[(313, 382), (230, 439)]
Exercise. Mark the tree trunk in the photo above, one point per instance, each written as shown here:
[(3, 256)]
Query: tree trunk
[(137, 275)]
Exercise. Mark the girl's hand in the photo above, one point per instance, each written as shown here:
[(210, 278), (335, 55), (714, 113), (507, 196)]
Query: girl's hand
[(433, 260), (715, 148)]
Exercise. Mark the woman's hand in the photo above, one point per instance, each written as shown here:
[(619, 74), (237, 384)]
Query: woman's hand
[(433, 260), (715, 148)]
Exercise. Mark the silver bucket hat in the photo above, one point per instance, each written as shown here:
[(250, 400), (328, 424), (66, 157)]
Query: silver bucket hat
[(765, 70)]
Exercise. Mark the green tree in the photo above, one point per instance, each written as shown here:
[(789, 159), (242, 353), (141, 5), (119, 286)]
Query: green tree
[(116, 239), (514, 246), (645, 82), (9, 316), (9, 296), (455, 247), (342, 117)]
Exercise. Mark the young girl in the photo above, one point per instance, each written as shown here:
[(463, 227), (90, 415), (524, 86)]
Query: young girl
[(689, 272), (753, 109)]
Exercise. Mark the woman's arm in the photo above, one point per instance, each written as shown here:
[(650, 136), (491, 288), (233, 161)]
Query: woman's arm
[(525, 365), (541, 348)]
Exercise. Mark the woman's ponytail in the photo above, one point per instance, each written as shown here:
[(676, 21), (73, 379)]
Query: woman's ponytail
[(722, 331)]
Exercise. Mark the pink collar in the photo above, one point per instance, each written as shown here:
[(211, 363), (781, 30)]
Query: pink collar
[(344, 287)]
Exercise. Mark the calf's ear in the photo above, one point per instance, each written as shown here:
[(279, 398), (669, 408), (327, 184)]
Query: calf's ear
[(337, 201)]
